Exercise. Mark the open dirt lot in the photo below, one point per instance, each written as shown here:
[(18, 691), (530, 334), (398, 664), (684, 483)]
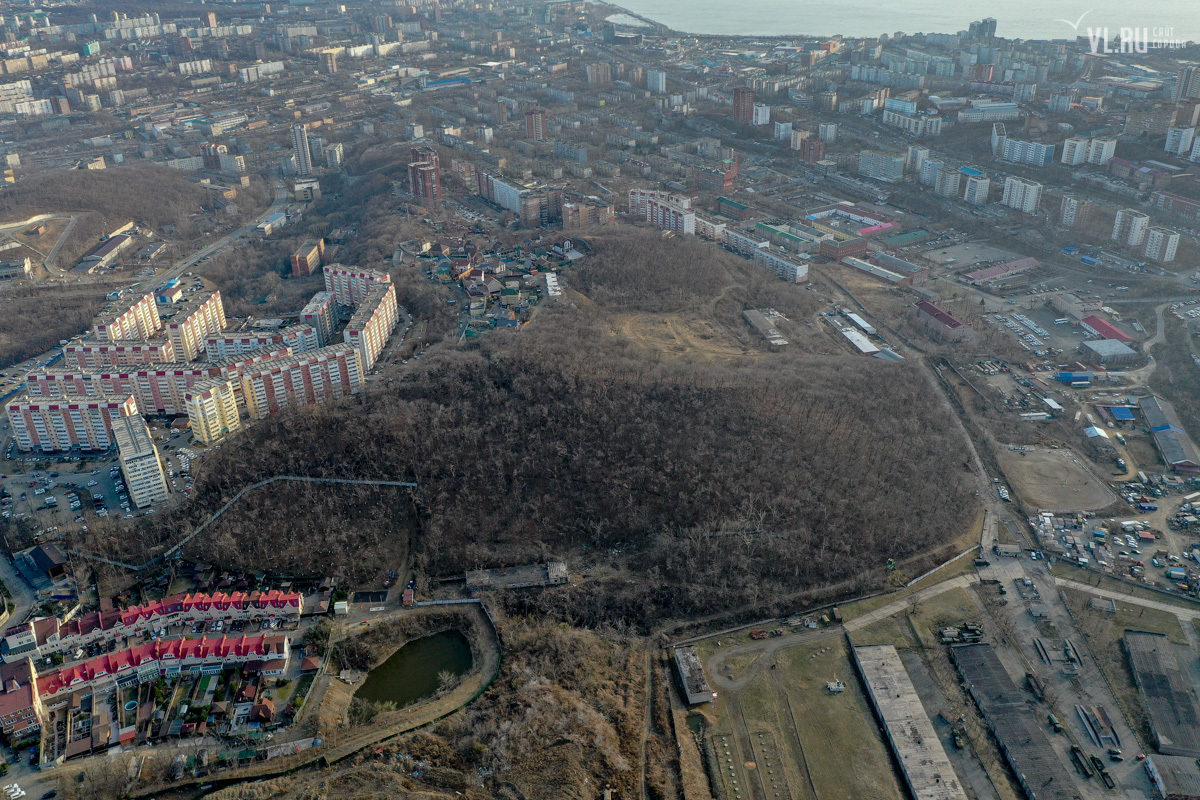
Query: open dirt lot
[(673, 335), (1055, 480)]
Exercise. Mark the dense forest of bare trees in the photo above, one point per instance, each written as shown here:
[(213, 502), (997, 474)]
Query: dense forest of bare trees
[(153, 195), (713, 484), (34, 319)]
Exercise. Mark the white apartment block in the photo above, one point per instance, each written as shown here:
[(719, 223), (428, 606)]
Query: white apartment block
[(787, 269), (761, 114), (51, 425), (947, 182), (372, 324), (1022, 195), (140, 465), (1101, 151), (1161, 244), (103, 355), (212, 409), (351, 284), (709, 228), (915, 158), (1130, 227), (306, 379), (190, 333), (743, 243), (301, 338), (1180, 140), (976, 191), (320, 313), (663, 210), (122, 322), (913, 124), (1075, 151)]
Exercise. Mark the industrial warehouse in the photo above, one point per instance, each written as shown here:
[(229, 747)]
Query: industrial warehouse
[(1167, 693), (1006, 710)]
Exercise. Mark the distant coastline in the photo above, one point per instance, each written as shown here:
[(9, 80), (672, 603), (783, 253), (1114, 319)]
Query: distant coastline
[(1038, 20)]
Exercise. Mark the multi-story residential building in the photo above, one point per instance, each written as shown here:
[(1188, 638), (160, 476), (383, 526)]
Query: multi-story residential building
[(881, 166), (656, 81), (663, 210), (928, 172), (1176, 204), (157, 388), (42, 636), (300, 338), (915, 157), (1101, 151), (599, 75), (51, 424), (212, 409), (1161, 244), (21, 710), (425, 174), (123, 321), (306, 379), (587, 213), (947, 182), (535, 125), (372, 324), (710, 229), (1022, 195), (139, 461), (101, 355), (1022, 152), (167, 658), (190, 334), (1075, 151), (914, 124), (976, 190), (743, 104), (351, 285), (760, 114), (1130, 227), (788, 268), (300, 150), (1074, 211), (827, 132), (1180, 139), (225, 346), (307, 258), (320, 312)]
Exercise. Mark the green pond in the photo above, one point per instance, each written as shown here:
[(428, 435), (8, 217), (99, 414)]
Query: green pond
[(411, 672)]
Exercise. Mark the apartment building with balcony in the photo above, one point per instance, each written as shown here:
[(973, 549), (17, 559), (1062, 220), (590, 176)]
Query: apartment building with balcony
[(313, 378), (55, 424), (189, 333), (140, 464), (212, 409), (372, 324), (321, 313), (124, 321), (351, 285), (124, 353)]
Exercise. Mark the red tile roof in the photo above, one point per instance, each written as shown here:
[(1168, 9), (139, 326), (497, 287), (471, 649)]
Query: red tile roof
[(204, 648)]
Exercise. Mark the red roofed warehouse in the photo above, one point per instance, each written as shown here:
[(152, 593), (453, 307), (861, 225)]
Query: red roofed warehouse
[(940, 323), (1103, 328)]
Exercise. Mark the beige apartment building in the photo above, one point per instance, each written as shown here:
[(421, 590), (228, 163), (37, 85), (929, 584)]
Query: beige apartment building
[(212, 410), (123, 321), (372, 324), (189, 331)]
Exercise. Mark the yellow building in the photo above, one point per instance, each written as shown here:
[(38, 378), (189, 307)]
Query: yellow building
[(212, 409)]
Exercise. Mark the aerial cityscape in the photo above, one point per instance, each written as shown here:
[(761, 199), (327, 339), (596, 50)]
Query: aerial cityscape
[(568, 400)]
